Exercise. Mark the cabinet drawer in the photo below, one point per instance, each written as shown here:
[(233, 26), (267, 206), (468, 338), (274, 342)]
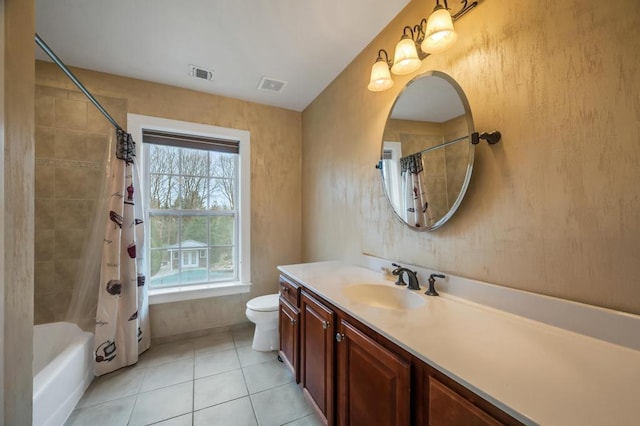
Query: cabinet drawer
[(290, 291), (448, 408)]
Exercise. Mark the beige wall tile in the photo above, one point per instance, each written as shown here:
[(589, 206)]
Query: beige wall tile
[(45, 110), (70, 144), (65, 273), (70, 114), (44, 214), (44, 142), (96, 147), (71, 214), (69, 243), (44, 184), (44, 277), (44, 313), (76, 183), (44, 245)]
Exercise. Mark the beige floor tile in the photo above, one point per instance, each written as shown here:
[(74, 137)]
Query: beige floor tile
[(213, 343), (121, 383), (217, 389), (280, 405), (166, 352), (162, 404), (243, 336), (215, 363), (311, 420), (184, 420), (111, 413), (266, 375), (234, 413), (248, 356), (168, 374)]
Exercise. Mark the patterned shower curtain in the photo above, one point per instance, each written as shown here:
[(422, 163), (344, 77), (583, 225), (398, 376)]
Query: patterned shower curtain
[(416, 206), (122, 317)]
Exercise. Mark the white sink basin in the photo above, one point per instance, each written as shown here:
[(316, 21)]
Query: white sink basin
[(383, 296)]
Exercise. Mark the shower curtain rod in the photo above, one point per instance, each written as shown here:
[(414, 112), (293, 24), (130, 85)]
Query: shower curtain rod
[(77, 82)]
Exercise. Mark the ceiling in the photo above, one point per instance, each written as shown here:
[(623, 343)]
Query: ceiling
[(305, 43)]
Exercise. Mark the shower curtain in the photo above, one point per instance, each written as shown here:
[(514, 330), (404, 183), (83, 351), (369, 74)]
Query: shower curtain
[(122, 317), (416, 207)]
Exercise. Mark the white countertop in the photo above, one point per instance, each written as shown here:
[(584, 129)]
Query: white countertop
[(538, 373)]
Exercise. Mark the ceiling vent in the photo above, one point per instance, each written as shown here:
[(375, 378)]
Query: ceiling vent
[(271, 85), (199, 72)]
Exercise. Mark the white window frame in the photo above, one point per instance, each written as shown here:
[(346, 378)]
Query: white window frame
[(136, 123)]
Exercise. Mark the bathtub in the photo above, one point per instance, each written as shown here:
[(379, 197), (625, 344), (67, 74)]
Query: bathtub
[(62, 370)]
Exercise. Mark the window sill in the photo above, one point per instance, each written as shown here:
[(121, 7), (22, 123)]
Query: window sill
[(202, 291)]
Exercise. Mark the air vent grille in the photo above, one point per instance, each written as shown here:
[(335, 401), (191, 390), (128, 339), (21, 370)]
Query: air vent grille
[(269, 84), (199, 72)]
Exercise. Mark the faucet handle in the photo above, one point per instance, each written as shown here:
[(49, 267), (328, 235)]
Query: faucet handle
[(398, 272), (432, 284)]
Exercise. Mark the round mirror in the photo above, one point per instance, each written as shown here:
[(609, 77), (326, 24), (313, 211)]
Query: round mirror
[(427, 154)]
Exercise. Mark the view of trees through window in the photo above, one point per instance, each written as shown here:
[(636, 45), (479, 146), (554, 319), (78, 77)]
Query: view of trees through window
[(192, 213)]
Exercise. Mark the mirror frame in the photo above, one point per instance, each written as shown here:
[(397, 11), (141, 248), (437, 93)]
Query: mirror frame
[(467, 179)]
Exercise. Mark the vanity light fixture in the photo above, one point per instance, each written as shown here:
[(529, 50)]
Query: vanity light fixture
[(432, 36), (380, 76), (405, 60)]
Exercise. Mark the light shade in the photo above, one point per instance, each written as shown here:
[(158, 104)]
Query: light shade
[(405, 60), (439, 34), (380, 77)]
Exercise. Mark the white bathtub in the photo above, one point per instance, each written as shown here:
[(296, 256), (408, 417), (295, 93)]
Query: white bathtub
[(62, 370)]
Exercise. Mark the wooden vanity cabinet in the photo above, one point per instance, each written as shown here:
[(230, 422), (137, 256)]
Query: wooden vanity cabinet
[(289, 331), (373, 383), (354, 376), (317, 355), (289, 326)]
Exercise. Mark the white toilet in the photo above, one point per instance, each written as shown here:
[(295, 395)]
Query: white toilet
[(263, 312)]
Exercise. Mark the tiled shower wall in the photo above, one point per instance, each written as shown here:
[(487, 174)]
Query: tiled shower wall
[(71, 147)]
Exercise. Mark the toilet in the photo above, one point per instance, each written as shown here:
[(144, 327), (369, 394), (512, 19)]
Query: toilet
[(263, 312)]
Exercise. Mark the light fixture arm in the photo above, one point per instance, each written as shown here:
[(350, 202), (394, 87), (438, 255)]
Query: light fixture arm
[(386, 57), (419, 31), (465, 8)]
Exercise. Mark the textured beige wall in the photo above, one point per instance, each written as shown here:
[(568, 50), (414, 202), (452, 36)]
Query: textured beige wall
[(17, 205), (555, 207), (275, 183)]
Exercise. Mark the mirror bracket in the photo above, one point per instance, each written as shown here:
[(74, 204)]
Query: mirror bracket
[(492, 138)]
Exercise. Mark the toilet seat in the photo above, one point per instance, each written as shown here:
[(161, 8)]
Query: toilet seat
[(268, 303)]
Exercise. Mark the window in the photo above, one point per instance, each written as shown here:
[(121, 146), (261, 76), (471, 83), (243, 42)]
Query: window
[(196, 188)]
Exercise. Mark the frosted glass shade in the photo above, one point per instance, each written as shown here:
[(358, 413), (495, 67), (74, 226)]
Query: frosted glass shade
[(405, 60), (380, 77), (439, 34)]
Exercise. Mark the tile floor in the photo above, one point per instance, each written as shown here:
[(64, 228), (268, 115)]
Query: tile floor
[(211, 380)]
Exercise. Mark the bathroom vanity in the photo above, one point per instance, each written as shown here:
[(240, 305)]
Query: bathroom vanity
[(367, 352)]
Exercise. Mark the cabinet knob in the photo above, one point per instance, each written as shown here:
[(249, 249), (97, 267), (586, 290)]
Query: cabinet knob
[(339, 337), (325, 325), (293, 321), (285, 289)]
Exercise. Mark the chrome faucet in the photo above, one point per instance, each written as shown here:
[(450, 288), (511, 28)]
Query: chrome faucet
[(411, 275)]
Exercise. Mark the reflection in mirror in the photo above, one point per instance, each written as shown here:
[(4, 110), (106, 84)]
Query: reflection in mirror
[(427, 155)]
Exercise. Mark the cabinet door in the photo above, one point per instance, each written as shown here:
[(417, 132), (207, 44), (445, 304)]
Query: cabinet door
[(316, 357), (447, 408), (289, 329), (373, 383)]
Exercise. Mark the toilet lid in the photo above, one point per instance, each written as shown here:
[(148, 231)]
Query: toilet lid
[(266, 303)]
